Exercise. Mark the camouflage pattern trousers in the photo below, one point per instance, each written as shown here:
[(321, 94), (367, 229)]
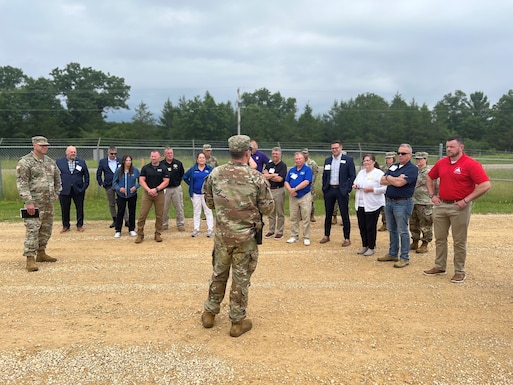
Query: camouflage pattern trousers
[(421, 223), (38, 230), (243, 261)]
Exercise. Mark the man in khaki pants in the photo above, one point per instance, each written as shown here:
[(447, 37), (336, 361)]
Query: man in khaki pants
[(298, 183)]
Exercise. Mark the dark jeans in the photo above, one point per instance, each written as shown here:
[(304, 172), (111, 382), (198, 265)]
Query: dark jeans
[(65, 201), (368, 224), (332, 196), (121, 204)]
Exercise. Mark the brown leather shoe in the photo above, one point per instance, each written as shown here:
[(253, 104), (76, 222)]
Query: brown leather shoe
[(158, 238), (458, 278), (139, 238), (80, 229), (325, 239), (346, 243), (433, 272), (64, 229)]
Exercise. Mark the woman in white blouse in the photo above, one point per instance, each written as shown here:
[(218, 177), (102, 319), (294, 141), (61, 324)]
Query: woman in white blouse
[(370, 198)]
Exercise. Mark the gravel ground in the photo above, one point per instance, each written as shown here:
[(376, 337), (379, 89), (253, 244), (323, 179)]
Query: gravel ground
[(112, 312)]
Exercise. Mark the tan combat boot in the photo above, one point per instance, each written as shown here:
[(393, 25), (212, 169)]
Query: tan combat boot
[(414, 245), (43, 257), (334, 220), (31, 264), (239, 328), (207, 319), (423, 248), (383, 227)]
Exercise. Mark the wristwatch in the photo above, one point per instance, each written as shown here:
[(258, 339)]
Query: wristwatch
[(431, 195)]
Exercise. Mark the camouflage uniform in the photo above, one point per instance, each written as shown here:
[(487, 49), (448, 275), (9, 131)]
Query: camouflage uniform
[(211, 159), (39, 183), (240, 196), (315, 171), (421, 220)]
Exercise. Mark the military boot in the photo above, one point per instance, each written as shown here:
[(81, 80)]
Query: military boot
[(239, 328), (207, 319), (383, 227), (423, 248), (43, 257), (334, 220), (414, 245), (31, 264)]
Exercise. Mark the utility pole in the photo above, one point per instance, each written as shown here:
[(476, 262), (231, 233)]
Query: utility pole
[(238, 111)]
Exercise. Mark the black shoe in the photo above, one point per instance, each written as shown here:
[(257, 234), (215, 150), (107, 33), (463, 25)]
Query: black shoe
[(126, 224), (113, 224)]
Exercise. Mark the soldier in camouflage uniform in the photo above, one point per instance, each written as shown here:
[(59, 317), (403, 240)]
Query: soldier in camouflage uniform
[(421, 220), (315, 171), (240, 196), (211, 159), (39, 183)]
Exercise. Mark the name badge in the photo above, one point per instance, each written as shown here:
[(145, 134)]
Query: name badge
[(78, 167), (327, 167), (393, 167), (293, 176), (343, 161), (271, 171)]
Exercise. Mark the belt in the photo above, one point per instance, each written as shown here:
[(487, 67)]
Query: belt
[(276, 187), (334, 185), (449, 202), (397, 199)]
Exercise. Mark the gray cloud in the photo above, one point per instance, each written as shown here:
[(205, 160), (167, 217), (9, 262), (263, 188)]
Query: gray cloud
[(315, 51)]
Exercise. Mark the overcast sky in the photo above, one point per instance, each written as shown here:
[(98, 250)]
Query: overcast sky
[(316, 51)]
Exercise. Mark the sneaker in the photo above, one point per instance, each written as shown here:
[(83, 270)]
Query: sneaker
[(292, 240), (209, 234), (369, 253), (401, 263), (195, 233), (362, 250), (278, 237), (388, 258), (133, 233), (269, 235), (306, 242), (458, 278), (434, 272), (117, 235)]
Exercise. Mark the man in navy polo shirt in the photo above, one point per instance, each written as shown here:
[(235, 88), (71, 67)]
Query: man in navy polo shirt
[(401, 178)]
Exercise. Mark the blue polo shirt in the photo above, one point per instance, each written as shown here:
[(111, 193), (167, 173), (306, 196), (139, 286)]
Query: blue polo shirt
[(295, 177), (411, 172)]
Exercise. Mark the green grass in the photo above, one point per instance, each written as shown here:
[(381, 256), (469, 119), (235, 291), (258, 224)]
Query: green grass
[(499, 200)]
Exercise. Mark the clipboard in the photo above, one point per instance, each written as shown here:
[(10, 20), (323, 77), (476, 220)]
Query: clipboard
[(24, 214)]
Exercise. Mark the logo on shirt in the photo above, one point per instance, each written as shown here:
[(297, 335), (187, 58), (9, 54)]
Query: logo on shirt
[(457, 170)]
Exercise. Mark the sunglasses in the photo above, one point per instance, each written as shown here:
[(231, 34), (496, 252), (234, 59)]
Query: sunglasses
[(403, 153), (113, 153)]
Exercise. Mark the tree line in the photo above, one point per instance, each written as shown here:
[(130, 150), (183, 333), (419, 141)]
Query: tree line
[(73, 102)]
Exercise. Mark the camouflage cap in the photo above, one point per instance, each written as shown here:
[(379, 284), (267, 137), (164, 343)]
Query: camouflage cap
[(207, 147), (41, 140), (421, 155), (305, 151), (391, 154), (239, 143)]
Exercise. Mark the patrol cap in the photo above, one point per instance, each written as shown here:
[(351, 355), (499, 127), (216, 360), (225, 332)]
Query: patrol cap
[(41, 140), (207, 147), (239, 143), (305, 151), (391, 154), (421, 155)]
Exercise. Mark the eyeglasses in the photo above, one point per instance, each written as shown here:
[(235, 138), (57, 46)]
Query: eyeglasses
[(403, 153), (113, 153)]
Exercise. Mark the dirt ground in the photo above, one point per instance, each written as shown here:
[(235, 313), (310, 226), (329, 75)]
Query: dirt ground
[(113, 312)]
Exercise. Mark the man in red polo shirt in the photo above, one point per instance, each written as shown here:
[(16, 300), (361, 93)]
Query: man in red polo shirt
[(462, 180)]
